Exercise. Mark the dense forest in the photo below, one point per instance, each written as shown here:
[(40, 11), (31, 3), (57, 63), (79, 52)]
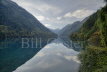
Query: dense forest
[(93, 31), (16, 21)]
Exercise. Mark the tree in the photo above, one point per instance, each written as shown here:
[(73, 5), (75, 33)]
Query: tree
[(102, 23), (105, 1)]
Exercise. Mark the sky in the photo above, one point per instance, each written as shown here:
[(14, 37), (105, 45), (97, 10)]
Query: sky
[(59, 13)]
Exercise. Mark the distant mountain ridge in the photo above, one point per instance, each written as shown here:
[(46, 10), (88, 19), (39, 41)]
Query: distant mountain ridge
[(70, 28), (55, 30), (16, 21), (63, 29)]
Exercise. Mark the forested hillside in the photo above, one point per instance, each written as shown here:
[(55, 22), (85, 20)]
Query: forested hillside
[(89, 31), (94, 30), (70, 28), (16, 21)]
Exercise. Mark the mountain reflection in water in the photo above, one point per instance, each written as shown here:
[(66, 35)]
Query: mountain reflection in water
[(58, 56)]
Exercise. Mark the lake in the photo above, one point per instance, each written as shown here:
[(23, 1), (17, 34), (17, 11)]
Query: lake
[(59, 55)]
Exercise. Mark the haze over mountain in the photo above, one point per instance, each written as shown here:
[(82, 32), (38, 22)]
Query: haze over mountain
[(55, 30), (63, 29), (16, 21), (57, 14), (70, 28)]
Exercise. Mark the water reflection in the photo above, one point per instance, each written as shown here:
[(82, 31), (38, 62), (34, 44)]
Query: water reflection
[(58, 56), (68, 43), (12, 55)]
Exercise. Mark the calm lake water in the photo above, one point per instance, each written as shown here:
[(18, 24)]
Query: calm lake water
[(58, 56)]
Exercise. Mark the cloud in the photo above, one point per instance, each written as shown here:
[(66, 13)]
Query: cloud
[(48, 9), (40, 17), (47, 25), (58, 54), (44, 64), (40, 54), (79, 13), (74, 58), (58, 18), (47, 47), (59, 15)]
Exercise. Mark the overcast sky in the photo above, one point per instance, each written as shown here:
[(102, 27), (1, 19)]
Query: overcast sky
[(58, 13)]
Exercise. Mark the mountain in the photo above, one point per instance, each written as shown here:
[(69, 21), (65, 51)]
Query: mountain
[(93, 38), (88, 28), (55, 30), (70, 28), (63, 29), (16, 21)]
